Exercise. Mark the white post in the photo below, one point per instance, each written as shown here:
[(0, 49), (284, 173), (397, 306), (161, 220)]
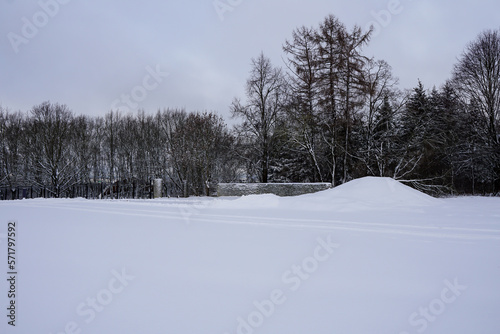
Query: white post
[(157, 188)]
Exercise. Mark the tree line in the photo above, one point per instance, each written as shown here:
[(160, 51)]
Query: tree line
[(50, 148), (329, 114)]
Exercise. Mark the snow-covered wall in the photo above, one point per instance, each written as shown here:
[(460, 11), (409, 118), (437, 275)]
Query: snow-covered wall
[(280, 189)]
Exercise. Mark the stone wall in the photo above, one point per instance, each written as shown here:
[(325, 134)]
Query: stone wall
[(280, 189)]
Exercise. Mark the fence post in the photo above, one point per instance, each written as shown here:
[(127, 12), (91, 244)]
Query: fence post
[(158, 186)]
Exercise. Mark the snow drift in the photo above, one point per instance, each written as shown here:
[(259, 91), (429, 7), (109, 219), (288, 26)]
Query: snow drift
[(360, 194), (376, 191)]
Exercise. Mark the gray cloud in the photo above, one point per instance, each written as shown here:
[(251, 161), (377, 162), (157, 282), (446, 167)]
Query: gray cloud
[(86, 54)]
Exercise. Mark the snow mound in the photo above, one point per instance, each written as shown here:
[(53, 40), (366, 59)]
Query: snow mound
[(368, 193), (376, 191)]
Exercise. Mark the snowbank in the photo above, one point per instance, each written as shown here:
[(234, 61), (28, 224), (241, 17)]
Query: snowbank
[(377, 191), (360, 194)]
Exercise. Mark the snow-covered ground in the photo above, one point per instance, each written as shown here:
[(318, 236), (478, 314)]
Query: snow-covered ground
[(370, 256)]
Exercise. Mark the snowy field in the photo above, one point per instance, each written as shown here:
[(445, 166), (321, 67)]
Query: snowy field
[(371, 256)]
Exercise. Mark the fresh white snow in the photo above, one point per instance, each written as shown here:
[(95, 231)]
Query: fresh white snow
[(370, 256)]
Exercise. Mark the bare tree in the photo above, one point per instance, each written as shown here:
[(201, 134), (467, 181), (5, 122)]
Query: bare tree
[(329, 64), (303, 63), (111, 125), (12, 166), (477, 79), (97, 152), (80, 141), (265, 92), (379, 118), (198, 148), (51, 150), (353, 84), (477, 76)]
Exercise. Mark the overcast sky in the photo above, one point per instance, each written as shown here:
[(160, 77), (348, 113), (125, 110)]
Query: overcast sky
[(97, 55)]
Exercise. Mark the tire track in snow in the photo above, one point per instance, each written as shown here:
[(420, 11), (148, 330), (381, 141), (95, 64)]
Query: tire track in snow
[(176, 213), (253, 218)]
